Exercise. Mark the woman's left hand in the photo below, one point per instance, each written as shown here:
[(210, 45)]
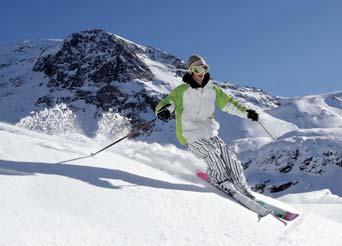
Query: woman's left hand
[(252, 114)]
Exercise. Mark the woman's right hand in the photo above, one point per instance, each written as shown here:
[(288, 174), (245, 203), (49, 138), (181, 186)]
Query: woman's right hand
[(164, 113)]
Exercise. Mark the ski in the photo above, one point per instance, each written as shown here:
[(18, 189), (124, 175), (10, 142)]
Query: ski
[(281, 214)]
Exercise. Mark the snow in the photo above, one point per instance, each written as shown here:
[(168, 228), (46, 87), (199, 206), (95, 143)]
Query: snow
[(315, 111), (18, 82), (135, 193), (162, 73)]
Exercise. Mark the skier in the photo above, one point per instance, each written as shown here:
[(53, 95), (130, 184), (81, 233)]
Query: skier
[(194, 103)]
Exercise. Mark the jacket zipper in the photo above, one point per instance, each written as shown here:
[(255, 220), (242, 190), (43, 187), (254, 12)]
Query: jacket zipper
[(200, 106)]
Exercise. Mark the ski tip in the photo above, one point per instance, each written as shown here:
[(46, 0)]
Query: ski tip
[(290, 216), (202, 175)]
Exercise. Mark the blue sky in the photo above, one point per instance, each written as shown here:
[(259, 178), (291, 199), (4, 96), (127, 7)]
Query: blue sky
[(288, 48)]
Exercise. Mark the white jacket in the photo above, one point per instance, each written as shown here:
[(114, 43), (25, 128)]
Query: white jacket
[(194, 106)]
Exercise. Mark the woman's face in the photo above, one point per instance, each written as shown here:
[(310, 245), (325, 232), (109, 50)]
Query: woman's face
[(198, 77)]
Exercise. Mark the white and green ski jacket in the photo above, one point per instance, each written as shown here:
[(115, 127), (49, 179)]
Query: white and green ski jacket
[(194, 106)]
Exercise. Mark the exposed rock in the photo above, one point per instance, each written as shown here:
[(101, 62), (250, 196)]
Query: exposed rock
[(90, 64)]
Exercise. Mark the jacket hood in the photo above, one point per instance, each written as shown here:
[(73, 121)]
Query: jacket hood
[(187, 78)]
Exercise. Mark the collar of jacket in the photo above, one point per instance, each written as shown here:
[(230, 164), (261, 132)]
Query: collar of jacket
[(187, 78)]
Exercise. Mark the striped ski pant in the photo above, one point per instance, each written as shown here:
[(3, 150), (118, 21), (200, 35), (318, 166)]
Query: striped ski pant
[(222, 163), (225, 171)]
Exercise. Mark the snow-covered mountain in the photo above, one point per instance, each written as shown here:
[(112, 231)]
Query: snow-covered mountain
[(85, 81), (149, 196), (91, 71), (302, 159), (318, 111)]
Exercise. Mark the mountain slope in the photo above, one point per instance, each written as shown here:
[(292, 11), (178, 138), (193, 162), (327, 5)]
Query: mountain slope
[(302, 159), (91, 72), (112, 198), (317, 111)]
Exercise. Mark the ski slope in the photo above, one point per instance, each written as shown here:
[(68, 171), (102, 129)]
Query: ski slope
[(134, 193)]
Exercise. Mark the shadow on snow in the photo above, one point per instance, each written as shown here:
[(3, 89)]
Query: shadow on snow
[(90, 175)]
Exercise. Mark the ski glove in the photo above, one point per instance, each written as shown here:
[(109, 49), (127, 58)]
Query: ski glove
[(164, 113), (252, 114)]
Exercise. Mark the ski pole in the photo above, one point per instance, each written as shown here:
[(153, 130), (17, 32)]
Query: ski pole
[(269, 134), (144, 125)]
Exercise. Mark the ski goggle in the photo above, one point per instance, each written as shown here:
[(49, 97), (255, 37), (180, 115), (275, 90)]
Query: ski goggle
[(199, 69)]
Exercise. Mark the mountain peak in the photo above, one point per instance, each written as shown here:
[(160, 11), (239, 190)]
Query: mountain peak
[(93, 55), (100, 35)]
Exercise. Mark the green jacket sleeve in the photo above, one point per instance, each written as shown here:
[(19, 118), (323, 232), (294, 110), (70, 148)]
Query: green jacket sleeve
[(174, 98), (229, 104)]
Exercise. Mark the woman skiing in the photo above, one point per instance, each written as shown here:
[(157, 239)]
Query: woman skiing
[(194, 104)]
